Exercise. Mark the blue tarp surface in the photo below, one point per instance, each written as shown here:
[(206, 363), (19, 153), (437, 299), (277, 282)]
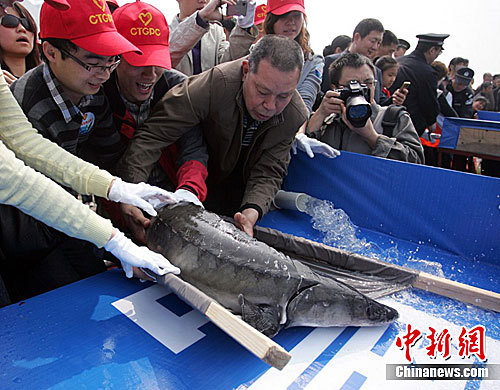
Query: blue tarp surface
[(109, 332)]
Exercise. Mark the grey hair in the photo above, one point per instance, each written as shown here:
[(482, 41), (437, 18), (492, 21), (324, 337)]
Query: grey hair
[(283, 53)]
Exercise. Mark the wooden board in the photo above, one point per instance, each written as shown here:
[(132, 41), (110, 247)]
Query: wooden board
[(480, 141)]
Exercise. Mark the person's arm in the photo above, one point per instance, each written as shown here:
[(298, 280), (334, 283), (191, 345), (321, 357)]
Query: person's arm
[(310, 80), (427, 99), (404, 145), (187, 33), (50, 159), (192, 160), (38, 196), (41, 198), (181, 109), (45, 156)]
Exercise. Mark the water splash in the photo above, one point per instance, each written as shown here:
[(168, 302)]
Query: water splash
[(340, 232)]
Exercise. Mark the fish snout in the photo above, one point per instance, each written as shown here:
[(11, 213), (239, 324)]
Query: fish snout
[(380, 313)]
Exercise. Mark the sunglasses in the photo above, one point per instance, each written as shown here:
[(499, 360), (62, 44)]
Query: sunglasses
[(12, 21)]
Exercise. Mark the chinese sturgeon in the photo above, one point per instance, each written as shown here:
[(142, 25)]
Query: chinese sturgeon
[(267, 288)]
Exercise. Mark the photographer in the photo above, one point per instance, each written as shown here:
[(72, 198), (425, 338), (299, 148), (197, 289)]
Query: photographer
[(363, 133)]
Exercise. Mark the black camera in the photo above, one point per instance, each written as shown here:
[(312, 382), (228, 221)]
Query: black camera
[(356, 97)]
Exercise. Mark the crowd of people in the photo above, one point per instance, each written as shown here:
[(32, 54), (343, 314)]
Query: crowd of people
[(116, 102)]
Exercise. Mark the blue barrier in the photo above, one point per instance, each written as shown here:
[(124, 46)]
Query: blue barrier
[(453, 211), (488, 116), (451, 129)]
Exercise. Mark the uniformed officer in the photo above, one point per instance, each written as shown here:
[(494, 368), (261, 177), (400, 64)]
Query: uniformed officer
[(460, 94), (421, 100), (403, 46)]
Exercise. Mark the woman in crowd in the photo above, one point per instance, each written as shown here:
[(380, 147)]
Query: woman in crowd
[(19, 51), (288, 18), (389, 67)]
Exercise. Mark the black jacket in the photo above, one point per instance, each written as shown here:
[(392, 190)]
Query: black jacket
[(421, 100)]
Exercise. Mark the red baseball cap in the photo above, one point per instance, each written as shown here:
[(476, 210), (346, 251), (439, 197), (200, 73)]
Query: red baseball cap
[(260, 14), (280, 7), (59, 4), (146, 27), (88, 24)]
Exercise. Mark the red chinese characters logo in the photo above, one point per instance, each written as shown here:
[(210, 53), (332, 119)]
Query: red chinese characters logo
[(472, 342), (439, 343), (408, 341)]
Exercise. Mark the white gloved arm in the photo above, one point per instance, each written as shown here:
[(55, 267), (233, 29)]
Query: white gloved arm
[(131, 255), (310, 146), (246, 21), (141, 195), (187, 196)]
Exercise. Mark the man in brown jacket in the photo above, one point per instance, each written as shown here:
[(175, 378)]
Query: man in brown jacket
[(249, 111)]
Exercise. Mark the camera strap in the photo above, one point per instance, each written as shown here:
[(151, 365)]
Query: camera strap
[(390, 119)]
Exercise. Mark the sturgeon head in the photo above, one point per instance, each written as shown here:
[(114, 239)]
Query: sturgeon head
[(332, 303)]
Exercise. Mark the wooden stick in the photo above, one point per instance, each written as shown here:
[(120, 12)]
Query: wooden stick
[(250, 338), (476, 296), (462, 292)]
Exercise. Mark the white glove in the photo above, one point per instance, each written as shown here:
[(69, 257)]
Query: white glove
[(246, 21), (187, 196), (141, 195), (131, 255), (311, 146)]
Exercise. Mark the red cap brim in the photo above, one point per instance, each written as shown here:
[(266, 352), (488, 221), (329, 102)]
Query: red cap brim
[(109, 43), (152, 55), (61, 5), (288, 8)]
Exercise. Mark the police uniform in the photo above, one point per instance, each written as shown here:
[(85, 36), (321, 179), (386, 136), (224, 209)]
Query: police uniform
[(462, 101), (403, 43), (421, 100)]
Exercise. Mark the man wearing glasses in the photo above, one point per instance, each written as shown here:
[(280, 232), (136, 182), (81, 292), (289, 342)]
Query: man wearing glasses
[(366, 40), (63, 98), (330, 124)]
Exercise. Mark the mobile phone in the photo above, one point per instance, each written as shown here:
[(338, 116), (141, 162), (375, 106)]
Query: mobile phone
[(405, 85), (240, 8)]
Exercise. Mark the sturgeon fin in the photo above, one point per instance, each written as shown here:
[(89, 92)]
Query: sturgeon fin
[(264, 318)]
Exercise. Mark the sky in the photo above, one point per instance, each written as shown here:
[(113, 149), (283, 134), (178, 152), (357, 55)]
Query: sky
[(473, 26)]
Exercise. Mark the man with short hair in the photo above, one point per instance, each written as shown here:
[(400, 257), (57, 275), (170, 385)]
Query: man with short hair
[(63, 98), (455, 64), (403, 47), (375, 137), (459, 93), (389, 44), (416, 68), (249, 111), (134, 90), (366, 40)]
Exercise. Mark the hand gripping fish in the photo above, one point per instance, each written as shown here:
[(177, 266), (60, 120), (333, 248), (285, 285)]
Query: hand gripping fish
[(267, 288)]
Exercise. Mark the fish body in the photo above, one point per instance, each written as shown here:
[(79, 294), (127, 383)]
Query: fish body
[(269, 289)]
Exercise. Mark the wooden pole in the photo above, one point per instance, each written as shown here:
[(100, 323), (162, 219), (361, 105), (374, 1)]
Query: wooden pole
[(250, 338), (312, 251)]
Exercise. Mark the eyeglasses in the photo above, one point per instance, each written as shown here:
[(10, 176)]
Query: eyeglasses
[(368, 83), (12, 21), (94, 69)]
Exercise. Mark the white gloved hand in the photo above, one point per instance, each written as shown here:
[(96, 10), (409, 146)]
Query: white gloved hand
[(246, 21), (187, 196), (311, 146), (131, 255), (141, 195)]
